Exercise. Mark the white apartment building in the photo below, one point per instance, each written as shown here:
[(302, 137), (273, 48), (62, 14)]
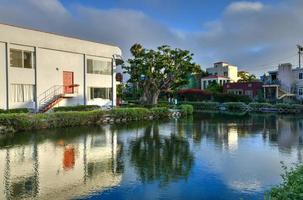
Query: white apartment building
[(284, 82), (206, 81), (40, 70)]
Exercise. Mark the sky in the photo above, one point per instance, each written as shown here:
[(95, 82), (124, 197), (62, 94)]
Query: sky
[(256, 36)]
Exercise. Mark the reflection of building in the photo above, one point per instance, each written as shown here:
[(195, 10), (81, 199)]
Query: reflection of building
[(60, 171)]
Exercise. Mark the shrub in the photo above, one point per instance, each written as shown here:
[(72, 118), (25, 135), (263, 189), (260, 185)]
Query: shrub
[(194, 95), (130, 113), (160, 112), (235, 106), (76, 108), (221, 98), (203, 105), (16, 110), (257, 106), (186, 109), (284, 106), (291, 187)]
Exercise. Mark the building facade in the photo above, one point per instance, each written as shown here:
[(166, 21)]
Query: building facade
[(251, 89), (206, 81), (224, 69), (41, 70), (286, 82)]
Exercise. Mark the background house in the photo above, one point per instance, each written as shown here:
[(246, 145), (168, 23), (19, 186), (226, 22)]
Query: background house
[(251, 89)]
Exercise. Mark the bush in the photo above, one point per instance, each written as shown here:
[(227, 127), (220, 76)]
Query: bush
[(203, 105), (16, 110), (221, 98), (257, 106), (130, 113), (235, 106), (291, 187), (160, 112), (76, 108), (186, 109), (284, 106)]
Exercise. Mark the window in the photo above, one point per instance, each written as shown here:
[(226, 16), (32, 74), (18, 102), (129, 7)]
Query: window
[(100, 93), (22, 92), (300, 92), (99, 67), (21, 59), (300, 75), (225, 74)]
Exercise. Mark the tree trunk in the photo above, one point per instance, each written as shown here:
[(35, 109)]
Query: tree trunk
[(150, 94)]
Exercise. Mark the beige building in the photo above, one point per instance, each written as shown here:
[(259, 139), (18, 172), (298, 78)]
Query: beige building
[(41, 70), (224, 69)]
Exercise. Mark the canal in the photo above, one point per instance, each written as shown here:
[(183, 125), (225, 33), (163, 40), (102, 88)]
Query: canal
[(208, 156)]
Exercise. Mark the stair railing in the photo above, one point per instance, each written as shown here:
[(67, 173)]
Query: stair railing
[(50, 94)]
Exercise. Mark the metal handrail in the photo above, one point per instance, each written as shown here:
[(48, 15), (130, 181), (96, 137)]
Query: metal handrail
[(55, 91)]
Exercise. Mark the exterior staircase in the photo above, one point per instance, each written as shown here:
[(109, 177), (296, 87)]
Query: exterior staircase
[(284, 91), (53, 96)]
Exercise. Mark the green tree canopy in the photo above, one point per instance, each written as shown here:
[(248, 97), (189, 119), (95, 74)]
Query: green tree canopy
[(246, 77), (163, 69)]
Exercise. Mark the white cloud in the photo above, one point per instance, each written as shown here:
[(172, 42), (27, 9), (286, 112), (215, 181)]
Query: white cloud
[(244, 6), (247, 39)]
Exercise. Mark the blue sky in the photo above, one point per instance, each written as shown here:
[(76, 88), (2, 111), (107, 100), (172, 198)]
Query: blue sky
[(255, 35)]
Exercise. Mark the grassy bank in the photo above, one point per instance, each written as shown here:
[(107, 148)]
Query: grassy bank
[(240, 107), (291, 187), (24, 121)]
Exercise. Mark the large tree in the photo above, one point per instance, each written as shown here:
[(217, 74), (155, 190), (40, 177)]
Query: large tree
[(163, 69)]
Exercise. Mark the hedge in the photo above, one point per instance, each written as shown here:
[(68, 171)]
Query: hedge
[(186, 109), (291, 187), (76, 108), (203, 105), (24, 122), (16, 110), (235, 106)]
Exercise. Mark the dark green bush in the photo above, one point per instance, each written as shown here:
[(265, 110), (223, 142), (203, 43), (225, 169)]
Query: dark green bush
[(257, 106), (76, 108), (235, 106), (291, 187), (16, 110), (160, 112), (130, 113), (221, 98), (284, 106), (200, 106), (186, 109)]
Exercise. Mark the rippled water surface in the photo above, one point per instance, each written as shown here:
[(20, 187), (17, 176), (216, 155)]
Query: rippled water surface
[(208, 156)]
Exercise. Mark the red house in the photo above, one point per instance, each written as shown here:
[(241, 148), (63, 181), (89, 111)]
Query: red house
[(250, 89)]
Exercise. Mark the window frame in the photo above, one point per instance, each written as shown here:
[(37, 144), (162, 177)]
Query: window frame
[(108, 64), (91, 93), (301, 76), (32, 55)]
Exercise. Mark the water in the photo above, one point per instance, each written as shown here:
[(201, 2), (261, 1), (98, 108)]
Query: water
[(209, 156)]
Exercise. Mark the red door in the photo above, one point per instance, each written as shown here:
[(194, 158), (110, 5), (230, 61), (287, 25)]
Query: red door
[(68, 82)]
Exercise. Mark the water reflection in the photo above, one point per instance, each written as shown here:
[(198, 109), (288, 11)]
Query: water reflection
[(212, 156), (61, 169), (161, 157)]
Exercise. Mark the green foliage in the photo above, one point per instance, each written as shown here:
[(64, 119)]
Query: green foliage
[(203, 105), (218, 97), (246, 77), (292, 186), (130, 113), (186, 109), (235, 106), (160, 69), (257, 106), (22, 122), (16, 110), (76, 108), (160, 112), (214, 88)]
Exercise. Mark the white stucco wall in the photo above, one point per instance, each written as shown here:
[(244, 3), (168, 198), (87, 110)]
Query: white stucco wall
[(54, 54), (286, 76), (2, 76), (221, 69), (52, 63)]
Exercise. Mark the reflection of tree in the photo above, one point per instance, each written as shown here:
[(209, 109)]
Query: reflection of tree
[(163, 158)]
